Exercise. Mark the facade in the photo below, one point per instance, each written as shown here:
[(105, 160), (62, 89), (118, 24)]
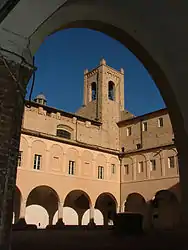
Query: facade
[(87, 166)]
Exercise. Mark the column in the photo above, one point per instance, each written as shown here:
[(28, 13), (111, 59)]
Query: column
[(13, 82), (60, 214), (23, 209), (163, 167), (91, 216)]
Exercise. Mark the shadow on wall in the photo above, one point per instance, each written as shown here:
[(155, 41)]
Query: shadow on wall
[(165, 208), (162, 212)]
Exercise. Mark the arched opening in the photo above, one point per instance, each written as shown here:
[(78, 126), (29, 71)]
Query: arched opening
[(16, 205), (42, 204), (79, 201), (111, 91), (97, 216), (107, 204), (93, 91), (135, 203), (165, 210)]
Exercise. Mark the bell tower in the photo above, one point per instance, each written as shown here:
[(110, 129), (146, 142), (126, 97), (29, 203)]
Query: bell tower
[(104, 100), (103, 92)]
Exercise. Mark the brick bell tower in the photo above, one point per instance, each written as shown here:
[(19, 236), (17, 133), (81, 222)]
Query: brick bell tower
[(104, 99)]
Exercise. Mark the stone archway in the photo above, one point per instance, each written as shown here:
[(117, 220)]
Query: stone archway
[(107, 204), (79, 201), (42, 204), (165, 210), (135, 203), (152, 42)]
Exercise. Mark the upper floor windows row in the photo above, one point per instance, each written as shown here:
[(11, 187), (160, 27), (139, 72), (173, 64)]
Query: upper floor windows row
[(152, 165), (160, 124), (37, 165)]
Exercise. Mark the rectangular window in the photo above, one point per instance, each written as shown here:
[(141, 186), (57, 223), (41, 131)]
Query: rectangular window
[(144, 126), (140, 167), (153, 165), (113, 167), (160, 122), (100, 172), (71, 167), (20, 158), (138, 146), (37, 161), (171, 162), (126, 169), (129, 131)]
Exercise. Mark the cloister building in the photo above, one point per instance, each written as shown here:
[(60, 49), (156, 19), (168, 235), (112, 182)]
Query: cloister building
[(86, 166)]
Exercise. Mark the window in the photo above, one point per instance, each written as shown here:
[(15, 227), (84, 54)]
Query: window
[(153, 165), (100, 172), (20, 158), (171, 162), (123, 149), (71, 167), (111, 91), (140, 167), (63, 133), (126, 169), (93, 91), (160, 122), (129, 132), (144, 126), (37, 161), (113, 167), (138, 146)]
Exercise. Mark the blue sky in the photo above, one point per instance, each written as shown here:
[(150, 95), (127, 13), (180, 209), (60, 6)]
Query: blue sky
[(62, 58)]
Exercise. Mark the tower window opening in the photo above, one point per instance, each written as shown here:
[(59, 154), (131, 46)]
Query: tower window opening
[(111, 90), (93, 91)]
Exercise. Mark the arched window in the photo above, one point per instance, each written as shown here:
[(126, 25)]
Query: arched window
[(111, 90), (63, 133), (93, 91)]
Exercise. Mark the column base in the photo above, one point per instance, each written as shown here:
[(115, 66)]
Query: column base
[(60, 224), (91, 223), (21, 225)]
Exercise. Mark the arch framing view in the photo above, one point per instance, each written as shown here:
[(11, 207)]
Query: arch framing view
[(154, 45)]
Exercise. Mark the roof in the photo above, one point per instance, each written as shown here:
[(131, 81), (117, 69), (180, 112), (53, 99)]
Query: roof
[(62, 112), (143, 117)]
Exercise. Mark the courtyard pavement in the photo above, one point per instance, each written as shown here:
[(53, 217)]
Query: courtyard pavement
[(97, 239)]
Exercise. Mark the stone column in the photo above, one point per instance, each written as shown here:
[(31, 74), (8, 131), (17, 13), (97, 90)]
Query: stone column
[(23, 209), (91, 216), (60, 210), (60, 215), (13, 82)]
